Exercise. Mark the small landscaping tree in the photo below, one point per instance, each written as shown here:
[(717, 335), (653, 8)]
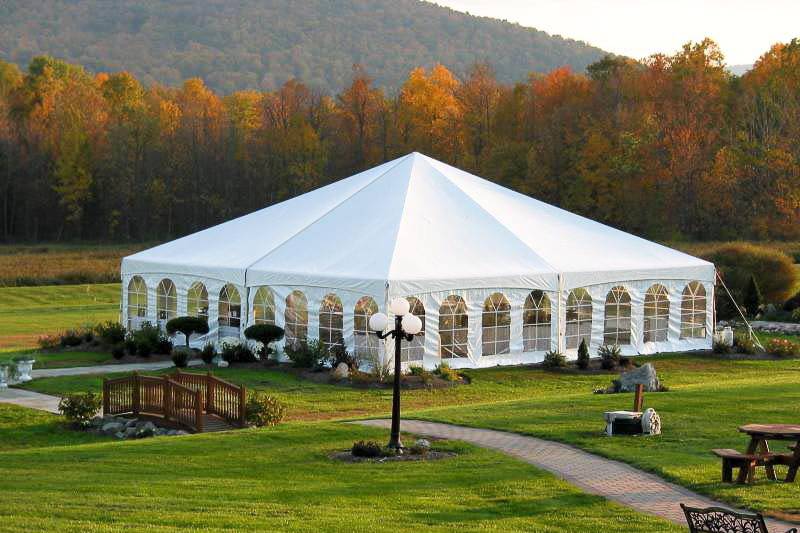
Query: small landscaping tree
[(266, 334), (583, 355), (752, 299), (188, 325), (80, 408)]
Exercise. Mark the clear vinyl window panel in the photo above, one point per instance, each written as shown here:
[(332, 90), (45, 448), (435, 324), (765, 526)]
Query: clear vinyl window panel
[(166, 300), (137, 302), (366, 343), (496, 325), (197, 300), (536, 322), (264, 306), (579, 318), (656, 314), (331, 321), (296, 318), (453, 328), (693, 311), (617, 326), (415, 349), (230, 308)]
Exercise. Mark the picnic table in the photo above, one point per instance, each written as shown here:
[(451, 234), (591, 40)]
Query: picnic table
[(761, 434)]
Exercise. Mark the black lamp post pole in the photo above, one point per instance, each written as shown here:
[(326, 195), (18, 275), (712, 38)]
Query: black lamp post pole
[(398, 334)]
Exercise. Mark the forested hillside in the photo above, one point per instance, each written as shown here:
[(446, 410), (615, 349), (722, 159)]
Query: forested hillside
[(673, 147), (260, 44)]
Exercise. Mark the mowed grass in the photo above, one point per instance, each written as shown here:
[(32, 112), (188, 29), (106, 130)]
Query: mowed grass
[(707, 401), (27, 313), (60, 264), (282, 479)]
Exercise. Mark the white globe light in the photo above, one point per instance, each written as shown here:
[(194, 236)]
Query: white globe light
[(378, 322), (399, 306), (411, 324)]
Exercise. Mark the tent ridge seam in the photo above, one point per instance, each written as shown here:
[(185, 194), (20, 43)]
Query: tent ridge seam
[(323, 215)]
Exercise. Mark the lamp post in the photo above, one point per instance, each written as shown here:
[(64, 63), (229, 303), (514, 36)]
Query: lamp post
[(406, 325)]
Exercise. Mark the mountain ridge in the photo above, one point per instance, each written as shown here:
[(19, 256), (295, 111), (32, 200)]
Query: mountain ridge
[(260, 44)]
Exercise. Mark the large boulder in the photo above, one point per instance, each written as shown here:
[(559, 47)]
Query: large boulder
[(340, 372), (112, 427), (644, 375)]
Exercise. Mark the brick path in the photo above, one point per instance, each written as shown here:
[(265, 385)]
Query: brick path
[(611, 479)]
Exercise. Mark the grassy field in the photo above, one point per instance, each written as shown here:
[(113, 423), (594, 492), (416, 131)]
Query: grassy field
[(708, 399), (276, 480), (60, 264), (26, 313)]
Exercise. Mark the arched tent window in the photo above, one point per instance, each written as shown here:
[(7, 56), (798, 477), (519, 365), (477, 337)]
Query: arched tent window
[(296, 317), (366, 343), (579, 318), (331, 321), (197, 300), (166, 301), (496, 325), (453, 328), (230, 311), (415, 350), (137, 302), (536, 322), (656, 314), (264, 306), (617, 328), (693, 311)]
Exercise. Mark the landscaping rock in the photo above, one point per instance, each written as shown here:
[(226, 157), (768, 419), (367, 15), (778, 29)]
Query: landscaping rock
[(112, 427), (423, 443), (342, 371), (130, 432), (120, 435), (644, 375), (131, 423), (97, 422)]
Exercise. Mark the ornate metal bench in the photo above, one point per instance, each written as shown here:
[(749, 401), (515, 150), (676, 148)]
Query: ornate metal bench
[(719, 520)]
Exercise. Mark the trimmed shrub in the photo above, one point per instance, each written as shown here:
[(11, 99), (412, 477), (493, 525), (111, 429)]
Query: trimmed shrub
[(181, 356), (49, 342), (188, 325), (721, 347), (339, 354), (118, 351), (266, 334), (237, 353), (446, 373), (146, 339), (80, 408), (110, 332), (609, 356), (752, 298), (130, 345), (71, 338), (208, 353), (416, 370), (311, 355), (782, 347), (264, 410), (368, 448), (164, 346), (745, 344), (583, 355), (772, 269), (554, 359)]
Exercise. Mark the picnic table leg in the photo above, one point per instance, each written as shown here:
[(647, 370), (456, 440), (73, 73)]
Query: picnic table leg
[(747, 470), (795, 464), (770, 468)]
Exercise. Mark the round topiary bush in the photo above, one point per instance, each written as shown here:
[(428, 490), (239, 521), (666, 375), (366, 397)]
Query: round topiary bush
[(772, 270), (265, 334), (188, 325)]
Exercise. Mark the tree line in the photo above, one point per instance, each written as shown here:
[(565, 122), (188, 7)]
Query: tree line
[(671, 147)]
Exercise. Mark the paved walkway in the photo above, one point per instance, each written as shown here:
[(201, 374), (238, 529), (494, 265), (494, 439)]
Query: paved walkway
[(616, 481), (106, 369), (27, 398)]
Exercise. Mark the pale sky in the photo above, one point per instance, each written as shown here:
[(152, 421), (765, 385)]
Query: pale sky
[(637, 28)]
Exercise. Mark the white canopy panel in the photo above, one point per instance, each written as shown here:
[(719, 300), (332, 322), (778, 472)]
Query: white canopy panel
[(415, 225)]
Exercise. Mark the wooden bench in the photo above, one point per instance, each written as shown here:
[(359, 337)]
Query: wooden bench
[(747, 463)]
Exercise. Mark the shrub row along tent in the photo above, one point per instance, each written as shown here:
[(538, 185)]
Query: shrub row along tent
[(497, 277)]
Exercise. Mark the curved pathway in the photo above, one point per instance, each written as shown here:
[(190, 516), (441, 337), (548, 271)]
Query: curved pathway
[(611, 479)]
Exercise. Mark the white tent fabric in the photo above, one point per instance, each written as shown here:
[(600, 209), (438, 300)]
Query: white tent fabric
[(418, 227)]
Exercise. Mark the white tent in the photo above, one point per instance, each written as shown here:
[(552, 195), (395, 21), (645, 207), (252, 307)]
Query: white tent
[(499, 276)]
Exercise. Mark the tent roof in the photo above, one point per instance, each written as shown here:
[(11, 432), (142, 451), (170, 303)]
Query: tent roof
[(416, 225)]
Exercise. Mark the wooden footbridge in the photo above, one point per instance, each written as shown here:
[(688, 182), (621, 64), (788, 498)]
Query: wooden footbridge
[(196, 402)]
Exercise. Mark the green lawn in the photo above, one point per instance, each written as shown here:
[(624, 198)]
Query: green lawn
[(708, 399), (281, 479), (26, 313)]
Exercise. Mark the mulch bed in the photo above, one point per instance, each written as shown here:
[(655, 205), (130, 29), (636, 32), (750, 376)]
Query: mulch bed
[(433, 455)]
